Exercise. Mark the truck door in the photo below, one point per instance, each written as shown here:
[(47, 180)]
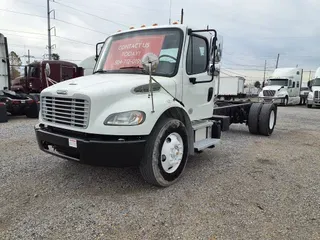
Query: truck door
[(197, 83)]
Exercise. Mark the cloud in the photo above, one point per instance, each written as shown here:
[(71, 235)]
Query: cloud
[(254, 31)]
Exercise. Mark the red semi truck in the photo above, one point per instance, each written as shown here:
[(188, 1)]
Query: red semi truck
[(21, 95), (35, 79)]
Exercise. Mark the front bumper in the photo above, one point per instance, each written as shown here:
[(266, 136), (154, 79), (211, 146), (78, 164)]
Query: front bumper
[(275, 100), (315, 102), (91, 149)]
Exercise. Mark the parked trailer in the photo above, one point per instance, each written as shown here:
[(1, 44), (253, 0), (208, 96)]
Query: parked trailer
[(230, 88), (144, 108), (283, 87)]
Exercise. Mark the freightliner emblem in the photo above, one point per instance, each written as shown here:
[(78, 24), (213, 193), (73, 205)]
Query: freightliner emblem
[(64, 92)]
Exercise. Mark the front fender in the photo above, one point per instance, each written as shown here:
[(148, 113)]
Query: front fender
[(162, 102)]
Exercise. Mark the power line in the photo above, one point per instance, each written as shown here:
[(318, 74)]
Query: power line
[(76, 9), (22, 32), (80, 26), (28, 14), (73, 40), (34, 5)]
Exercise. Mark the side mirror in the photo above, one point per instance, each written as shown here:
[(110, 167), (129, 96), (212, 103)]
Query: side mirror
[(98, 51), (47, 70), (150, 61)]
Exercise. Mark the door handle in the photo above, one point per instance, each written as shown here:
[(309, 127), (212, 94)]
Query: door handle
[(192, 80)]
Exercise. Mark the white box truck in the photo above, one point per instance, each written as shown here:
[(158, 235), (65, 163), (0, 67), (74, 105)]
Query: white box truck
[(283, 87), (314, 94), (230, 88), (149, 103)]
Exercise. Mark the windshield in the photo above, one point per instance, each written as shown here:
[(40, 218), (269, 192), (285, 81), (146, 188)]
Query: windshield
[(278, 82), (315, 82), (123, 53), (33, 72)]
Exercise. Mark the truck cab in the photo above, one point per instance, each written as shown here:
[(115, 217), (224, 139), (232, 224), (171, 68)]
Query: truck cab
[(314, 94), (35, 80), (283, 87), (149, 103)]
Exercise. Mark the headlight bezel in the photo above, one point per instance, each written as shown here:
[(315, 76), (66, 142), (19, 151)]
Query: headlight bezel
[(118, 114)]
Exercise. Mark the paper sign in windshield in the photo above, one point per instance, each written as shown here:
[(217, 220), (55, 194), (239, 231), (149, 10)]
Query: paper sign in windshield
[(129, 52)]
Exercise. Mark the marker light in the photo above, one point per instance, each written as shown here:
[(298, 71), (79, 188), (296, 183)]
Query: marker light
[(155, 24), (131, 28), (143, 25)]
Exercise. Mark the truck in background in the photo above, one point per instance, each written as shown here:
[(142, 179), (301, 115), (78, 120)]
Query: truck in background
[(230, 88), (35, 80), (88, 65), (21, 95), (283, 87), (149, 103), (314, 87)]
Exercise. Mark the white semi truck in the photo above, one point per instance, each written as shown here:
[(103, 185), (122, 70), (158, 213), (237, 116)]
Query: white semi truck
[(283, 87), (149, 103), (230, 88), (314, 94), (4, 63)]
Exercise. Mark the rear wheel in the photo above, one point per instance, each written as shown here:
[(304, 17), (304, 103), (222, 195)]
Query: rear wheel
[(267, 119), (253, 118), (166, 153)]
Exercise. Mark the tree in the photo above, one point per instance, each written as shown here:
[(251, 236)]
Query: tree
[(15, 64), (55, 56), (257, 84)]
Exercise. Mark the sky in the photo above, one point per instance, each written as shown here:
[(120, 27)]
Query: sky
[(253, 31)]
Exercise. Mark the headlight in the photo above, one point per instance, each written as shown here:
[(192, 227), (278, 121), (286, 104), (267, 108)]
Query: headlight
[(281, 94), (130, 118)]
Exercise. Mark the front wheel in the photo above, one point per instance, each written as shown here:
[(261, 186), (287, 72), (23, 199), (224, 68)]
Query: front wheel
[(166, 153)]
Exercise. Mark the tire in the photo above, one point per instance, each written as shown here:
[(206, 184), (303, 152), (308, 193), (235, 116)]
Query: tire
[(33, 110), (309, 105), (253, 118), (155, 166), (267, 119)]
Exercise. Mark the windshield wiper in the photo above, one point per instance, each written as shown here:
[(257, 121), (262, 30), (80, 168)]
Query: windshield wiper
[(100, 71), (133, 67)]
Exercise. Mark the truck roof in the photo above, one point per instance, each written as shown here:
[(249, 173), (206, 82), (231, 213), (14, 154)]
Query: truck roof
[(53, 61), (285, 72)]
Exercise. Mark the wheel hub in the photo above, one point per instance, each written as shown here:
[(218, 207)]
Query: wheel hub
[(172, 153)]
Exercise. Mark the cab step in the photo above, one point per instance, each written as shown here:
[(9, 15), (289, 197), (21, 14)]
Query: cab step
[(206, 143), (202, 130)]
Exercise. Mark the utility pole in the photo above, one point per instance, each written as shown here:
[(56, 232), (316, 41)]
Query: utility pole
[(265, 69), (277, 60), (49, 29), (170, 12), (28, 56), (181, 21)]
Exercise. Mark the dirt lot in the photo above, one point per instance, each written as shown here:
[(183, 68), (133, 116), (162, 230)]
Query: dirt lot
[(249, 187)]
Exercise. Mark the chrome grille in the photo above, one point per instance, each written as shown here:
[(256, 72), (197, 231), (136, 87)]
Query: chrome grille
[(316, 94), (67, 111), (269, 93)]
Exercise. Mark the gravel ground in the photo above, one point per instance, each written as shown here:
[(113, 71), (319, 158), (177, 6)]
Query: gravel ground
[(249, 187)]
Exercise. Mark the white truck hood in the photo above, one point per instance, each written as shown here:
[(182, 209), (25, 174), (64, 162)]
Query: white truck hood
[(273, 87), (316, 88), (105, 84)]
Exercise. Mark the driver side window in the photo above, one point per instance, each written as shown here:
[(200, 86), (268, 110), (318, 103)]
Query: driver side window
[(197, 55)]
